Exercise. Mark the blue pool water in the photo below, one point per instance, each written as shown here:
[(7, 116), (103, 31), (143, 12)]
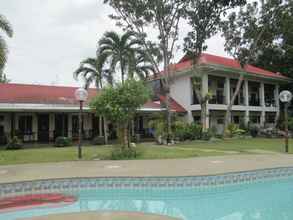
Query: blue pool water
[(268, 200)]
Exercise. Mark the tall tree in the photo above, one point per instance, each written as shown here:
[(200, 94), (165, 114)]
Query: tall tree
[(163, 18), (118, 52), (91, 70), (243, 33), (204, 18), (277, 53), (7, 29)]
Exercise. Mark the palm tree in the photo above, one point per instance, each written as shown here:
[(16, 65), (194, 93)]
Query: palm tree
[(140, 66), (6, 27), (117, 51), (90, 72)]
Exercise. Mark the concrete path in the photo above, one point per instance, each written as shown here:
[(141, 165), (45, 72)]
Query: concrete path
[(172, 167), (103, 216)]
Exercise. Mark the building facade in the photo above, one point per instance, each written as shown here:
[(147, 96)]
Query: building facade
[(39, 113), (257, 102)]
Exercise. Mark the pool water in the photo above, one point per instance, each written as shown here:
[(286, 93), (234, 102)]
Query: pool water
[(269, 200)]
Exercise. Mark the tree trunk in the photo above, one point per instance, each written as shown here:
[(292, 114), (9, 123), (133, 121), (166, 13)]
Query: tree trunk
[(230, 105), (169, 118), (105, 125), (203, 114)]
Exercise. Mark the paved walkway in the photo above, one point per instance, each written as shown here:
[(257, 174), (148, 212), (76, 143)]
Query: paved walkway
[(172, 167), (103, 216)]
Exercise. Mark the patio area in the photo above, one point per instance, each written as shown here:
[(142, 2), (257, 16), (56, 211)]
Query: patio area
[(143, 168)]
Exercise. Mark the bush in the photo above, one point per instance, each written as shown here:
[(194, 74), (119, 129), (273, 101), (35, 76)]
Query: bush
[(14, 144), (184, 131), (234, 130), (207, 135), (98, 140), (63, 142), (120, 153)]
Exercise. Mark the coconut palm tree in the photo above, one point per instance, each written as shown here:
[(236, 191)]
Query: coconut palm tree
[(7, 29), (117, 51), (140, 66), (91, 71)]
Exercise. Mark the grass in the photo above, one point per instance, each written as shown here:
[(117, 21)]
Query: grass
[(147, 151)]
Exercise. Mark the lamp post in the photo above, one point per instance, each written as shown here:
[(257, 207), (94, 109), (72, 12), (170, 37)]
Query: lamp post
[(285, 97), (81, 96)]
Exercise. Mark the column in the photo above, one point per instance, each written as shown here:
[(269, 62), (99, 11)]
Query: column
[(246, 118), (189, 117), (262, 118), (207, 121), (51, 126), (100, 126), (262, 104), (277, 101), (262, 95), (69, 125), (246, 93), (204, 84), (227, 91)]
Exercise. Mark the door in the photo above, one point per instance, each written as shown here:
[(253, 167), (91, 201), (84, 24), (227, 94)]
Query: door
[(43, 128), (61, 125)]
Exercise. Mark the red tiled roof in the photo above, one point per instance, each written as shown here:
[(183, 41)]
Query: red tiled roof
[(205, 58), (39, 94), (42, 94), (175, 106)]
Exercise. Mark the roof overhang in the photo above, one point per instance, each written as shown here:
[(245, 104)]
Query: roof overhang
[(32, 107)]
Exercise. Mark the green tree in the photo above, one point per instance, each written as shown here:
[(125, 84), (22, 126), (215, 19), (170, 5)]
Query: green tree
[(243, 33), (3, 78), (163, 17), (118, 52), (120, 104), (204, 18), (6, 27)]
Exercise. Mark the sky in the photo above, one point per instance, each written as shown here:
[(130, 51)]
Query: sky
[(51, 37)]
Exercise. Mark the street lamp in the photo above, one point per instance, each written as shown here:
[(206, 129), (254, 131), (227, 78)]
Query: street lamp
[(81, 96), (285, 97)]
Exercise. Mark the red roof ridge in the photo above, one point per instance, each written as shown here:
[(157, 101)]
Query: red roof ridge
[(207, 58), (42, 85)]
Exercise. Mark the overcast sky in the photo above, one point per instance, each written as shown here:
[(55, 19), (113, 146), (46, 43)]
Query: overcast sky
[(51, 37)]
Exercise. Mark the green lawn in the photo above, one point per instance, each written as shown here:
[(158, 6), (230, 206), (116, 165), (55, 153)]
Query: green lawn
[(147, 151)]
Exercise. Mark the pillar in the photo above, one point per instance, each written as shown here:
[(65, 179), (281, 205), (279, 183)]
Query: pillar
[(69, 125), (246, 118), (51, 126), (100, 126), (262, 95), (227, 91), (277, 103), (204, 84), (246, 93), (262, 118)]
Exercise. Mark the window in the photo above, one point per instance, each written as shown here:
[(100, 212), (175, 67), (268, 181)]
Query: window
[(25, 124), (220, 121), (196, 119), (270, 118), (236, 119), (255, 119)]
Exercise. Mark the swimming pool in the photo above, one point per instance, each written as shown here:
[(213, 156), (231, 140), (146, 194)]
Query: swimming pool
[(262, 195)]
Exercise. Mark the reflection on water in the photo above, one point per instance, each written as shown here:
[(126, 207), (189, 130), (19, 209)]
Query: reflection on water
[(261, 201)]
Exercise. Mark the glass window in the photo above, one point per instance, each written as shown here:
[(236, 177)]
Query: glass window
[(25, 124)]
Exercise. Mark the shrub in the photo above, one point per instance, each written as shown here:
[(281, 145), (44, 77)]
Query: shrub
[(207, 135), (98, 140), (184, 131), (62, 142), (120, 153), (234, 130), (14, 144)]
